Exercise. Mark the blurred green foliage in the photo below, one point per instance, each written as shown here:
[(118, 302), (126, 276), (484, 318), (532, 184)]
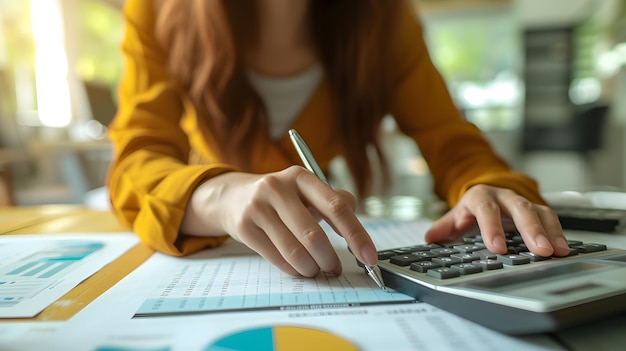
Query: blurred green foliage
[(99, 35)]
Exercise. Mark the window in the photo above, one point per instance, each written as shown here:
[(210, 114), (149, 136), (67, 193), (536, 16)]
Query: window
[(478, 51)]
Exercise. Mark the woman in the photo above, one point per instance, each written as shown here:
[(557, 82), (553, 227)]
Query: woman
[(211, 88)]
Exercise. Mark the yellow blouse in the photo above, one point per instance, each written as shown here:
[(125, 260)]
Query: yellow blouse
[(151, 181)]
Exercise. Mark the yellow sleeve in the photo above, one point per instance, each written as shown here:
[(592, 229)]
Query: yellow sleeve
[(149, 179), (457, 153)]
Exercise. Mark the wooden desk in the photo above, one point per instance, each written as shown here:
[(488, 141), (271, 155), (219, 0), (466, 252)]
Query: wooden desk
[(72, 219)]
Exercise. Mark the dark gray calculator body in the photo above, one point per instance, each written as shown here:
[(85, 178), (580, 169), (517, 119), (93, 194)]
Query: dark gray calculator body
[(517, 293)]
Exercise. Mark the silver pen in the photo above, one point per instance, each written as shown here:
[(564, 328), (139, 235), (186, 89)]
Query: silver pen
[(309, 162)]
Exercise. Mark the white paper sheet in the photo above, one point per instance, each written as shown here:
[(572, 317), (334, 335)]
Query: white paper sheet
[(17, 336), (233, 278), (109, 323), (373, 328), (35, 270)]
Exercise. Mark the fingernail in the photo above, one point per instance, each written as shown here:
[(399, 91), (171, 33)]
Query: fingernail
[(370, 255), (498, 243), (561, 243), (543, 242)]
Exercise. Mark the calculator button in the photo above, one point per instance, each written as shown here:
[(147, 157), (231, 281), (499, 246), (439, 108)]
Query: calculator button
[(446, 261), (423, 266), (486, 254), (513, 260), (467, 268), (533, 257), (571, 243), (468, 248), (403, 250), (522, 247), (424, 255), (469, 240), (444, 251), (517, 249), (587, 248), (385, 255), (443, 273), (466, 257), (512, 250), (510, 235), (405, 260), (425, 247), (517, 239), (573, 251), (489, 265)]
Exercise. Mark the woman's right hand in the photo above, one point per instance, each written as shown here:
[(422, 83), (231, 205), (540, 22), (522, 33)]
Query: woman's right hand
[(277, 215)]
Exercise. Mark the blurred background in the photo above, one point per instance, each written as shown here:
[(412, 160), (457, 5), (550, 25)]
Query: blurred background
[(545, 81)]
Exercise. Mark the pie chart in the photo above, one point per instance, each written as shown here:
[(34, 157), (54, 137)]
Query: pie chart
[(281, 338)]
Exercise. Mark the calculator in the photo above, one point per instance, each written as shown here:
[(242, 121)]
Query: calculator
[(515, 293)]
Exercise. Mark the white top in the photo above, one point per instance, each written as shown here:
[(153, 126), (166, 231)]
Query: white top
[(285, 97)]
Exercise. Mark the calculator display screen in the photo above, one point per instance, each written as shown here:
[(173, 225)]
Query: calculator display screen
[(538, 273)]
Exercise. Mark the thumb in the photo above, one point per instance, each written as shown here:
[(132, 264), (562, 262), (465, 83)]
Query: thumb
[(441, 230)]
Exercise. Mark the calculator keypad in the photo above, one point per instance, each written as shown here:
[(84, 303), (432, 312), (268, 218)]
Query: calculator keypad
[(442, 261)]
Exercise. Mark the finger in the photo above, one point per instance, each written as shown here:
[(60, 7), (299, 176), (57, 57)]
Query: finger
[(301, 241), (339, 213), (528, 223), (442, 229), (348, 197), (489, 219), (258, 241), (553, 229), (451, 226)]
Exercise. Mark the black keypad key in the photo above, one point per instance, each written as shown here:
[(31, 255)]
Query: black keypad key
[(533, 257), (486, 254), (573, 251), (425, 247), (571, 243), (489, 265), (468, 248), (444, 251), (403, 250), (587, 248), (467, 268), (446, 261), (385, 255), (423, 266), (466, 257), (513, 260), (426, 255), (443, 273), (405, 260)]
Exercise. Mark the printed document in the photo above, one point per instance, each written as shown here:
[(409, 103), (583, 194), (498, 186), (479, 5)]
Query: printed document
[(35, 270)]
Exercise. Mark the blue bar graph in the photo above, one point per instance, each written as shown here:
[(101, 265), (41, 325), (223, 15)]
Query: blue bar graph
[(49, 262)]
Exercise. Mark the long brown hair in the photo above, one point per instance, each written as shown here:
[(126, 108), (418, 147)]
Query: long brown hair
[(206, 41)]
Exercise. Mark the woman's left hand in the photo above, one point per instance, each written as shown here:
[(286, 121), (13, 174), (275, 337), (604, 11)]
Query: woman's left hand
[(486, 206)]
